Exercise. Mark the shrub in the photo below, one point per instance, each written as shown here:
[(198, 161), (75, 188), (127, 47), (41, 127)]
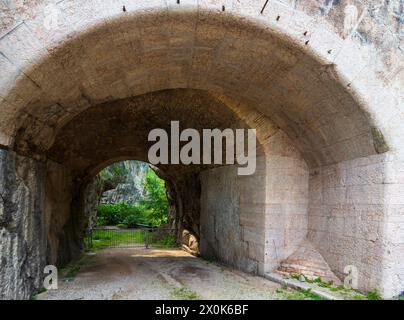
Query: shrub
[(167, 241), (132, 219), (101, 221), (374, 295), (112, 214)]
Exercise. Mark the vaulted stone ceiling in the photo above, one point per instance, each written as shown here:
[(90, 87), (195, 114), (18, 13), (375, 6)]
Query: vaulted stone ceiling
[(119, 130), (138, 54)]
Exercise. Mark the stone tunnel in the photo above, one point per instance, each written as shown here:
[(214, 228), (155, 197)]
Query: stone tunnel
[(83, 83)]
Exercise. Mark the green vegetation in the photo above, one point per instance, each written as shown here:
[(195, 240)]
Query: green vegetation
[(310, 295), (167, 241), (121, 214), (39, 291), (340, 289), (373, 295), (152, 210), (291, 294), (70, 271), (156, 202), (184, 294)]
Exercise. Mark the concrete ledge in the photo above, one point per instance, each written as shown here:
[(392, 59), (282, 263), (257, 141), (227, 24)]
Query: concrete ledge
[(295, 284)]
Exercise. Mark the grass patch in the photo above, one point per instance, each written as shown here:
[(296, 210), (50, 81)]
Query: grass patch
[(71, 270), (345, 292), (165, 242), (184, 294), (39, 291), (311, 295), (339, 288), (373, 295), (291, 294)]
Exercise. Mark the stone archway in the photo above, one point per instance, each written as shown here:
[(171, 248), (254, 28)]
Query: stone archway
[(330, 156)]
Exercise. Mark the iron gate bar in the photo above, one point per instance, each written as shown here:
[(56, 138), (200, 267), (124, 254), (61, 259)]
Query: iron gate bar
[(123, 238)]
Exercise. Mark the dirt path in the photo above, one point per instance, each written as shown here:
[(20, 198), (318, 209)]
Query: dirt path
[(159, 274)]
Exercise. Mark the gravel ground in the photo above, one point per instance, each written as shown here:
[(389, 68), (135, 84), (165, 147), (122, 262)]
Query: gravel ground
[(138, 273)]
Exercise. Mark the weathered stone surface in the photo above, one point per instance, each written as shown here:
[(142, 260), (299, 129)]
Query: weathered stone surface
[(347, 220), (222, 234), (59, 193), (22, 228), (183, 193), (320, 112), (92, 195), (130, 121)]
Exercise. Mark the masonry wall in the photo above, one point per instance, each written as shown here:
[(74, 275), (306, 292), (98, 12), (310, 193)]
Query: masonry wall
[(394, 227), (286, 216), (254, 222), (352, 214), (232, 220)]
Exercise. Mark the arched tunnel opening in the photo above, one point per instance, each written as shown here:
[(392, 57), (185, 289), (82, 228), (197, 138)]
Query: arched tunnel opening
[(314, 204), (119, 130)]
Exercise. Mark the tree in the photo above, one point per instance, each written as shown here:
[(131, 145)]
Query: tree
[(155, 203)]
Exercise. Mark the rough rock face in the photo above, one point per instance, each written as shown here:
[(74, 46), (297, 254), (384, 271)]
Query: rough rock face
[(92, 194), (22, 245), (58, 199), (132, 189), (39, 222), (71, 238), (183, 195)]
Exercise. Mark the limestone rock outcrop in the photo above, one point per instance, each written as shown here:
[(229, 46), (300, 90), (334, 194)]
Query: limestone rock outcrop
[(22, 245), (132, 188)]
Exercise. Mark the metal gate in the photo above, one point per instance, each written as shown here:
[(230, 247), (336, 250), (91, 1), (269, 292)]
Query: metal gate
[(112, 237)]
